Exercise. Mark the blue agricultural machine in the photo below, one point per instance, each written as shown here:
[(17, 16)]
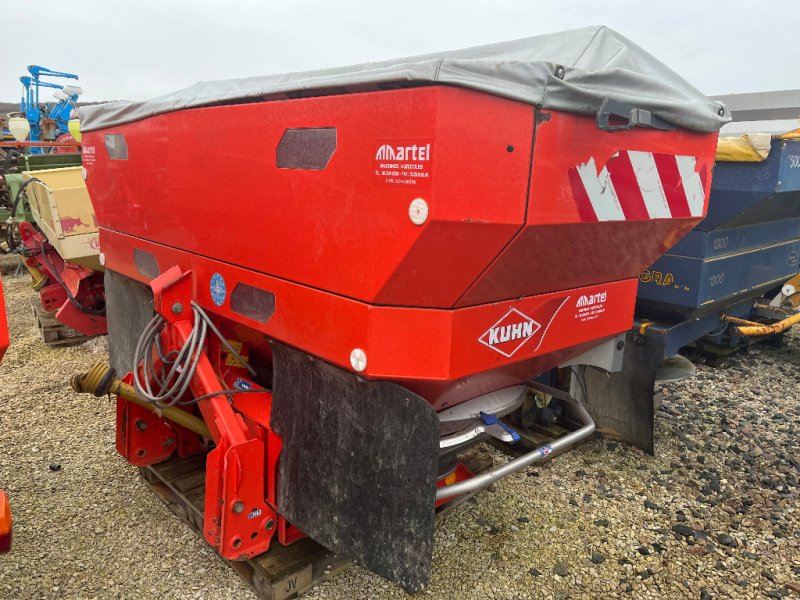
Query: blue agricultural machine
[(46, 215), (39, 136), (731, 281), (44, 123)]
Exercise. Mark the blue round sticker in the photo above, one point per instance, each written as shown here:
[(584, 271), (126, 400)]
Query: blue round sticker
[(218, 290)]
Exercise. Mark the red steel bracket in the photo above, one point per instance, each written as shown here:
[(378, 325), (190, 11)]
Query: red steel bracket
[(238, 521), (143, 438), (65, 278)]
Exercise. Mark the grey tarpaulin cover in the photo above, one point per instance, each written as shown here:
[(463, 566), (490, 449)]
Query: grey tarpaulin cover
[(598, 63)]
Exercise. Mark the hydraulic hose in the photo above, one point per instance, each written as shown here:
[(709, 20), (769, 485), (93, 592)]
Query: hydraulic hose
[(51, 267), (11, 154), (181, 364), (12, 245)]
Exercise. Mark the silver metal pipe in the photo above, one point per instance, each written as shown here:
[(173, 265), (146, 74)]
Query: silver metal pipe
[(485, 479)]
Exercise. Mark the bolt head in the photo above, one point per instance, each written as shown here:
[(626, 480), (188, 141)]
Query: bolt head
[(238, 507), (418, 211), (358, 359), (177, 308)]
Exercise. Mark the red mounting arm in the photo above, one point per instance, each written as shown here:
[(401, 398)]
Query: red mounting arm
[(238, 521)]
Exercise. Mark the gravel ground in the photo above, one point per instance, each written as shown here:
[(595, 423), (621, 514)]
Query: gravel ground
[(713, 515)]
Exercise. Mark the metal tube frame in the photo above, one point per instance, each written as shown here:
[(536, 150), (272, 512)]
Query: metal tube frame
[(753, 329), (567, 441)]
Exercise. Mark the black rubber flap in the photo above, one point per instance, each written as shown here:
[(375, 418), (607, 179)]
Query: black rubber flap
[(129, 308), (621, 404), (358, 466)]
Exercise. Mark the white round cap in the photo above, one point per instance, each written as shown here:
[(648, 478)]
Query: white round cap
[(418, 211), (358, 359)]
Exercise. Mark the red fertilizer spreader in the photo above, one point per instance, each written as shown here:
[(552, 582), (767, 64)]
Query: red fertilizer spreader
[(333, 283)]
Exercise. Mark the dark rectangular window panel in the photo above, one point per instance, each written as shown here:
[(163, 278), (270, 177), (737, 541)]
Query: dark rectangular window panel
[(306, 148), (252, 302), (146, 263), (116, 146)]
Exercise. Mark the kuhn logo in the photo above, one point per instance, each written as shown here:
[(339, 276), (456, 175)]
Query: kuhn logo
[(415, 152), (510, 333), (597, 298)]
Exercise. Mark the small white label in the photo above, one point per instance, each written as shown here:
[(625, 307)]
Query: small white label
[(242, 384), (591, 307), (405, 163), (88, 155)]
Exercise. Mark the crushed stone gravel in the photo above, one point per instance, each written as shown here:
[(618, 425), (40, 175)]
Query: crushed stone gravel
[(713, 515)]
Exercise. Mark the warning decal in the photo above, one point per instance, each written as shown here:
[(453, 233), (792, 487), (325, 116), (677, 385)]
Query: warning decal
[(403, 163)]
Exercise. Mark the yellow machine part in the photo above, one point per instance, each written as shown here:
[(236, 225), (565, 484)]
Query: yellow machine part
[(794, 299), (74, 126), (39, 278), (101, 380), (750, 147), (62, 209), (752, 329)]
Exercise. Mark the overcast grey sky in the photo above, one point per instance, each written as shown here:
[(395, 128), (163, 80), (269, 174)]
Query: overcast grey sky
[(140, 49)]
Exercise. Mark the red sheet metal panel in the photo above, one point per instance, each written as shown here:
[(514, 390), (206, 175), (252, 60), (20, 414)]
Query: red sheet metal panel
[(601, 206), (538, 246), (206, 180), (446, 356)]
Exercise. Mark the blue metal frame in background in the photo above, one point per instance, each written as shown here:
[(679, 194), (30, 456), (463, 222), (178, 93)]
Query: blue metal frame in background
[(32, 109), (748, 244)]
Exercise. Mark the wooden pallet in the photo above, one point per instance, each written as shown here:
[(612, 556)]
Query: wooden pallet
[(283, 572), (51, 331)]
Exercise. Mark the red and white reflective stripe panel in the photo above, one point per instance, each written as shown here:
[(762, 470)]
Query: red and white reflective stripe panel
[(634, 186)]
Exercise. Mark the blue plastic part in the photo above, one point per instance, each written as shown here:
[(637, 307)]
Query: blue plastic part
[(493, 420)]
